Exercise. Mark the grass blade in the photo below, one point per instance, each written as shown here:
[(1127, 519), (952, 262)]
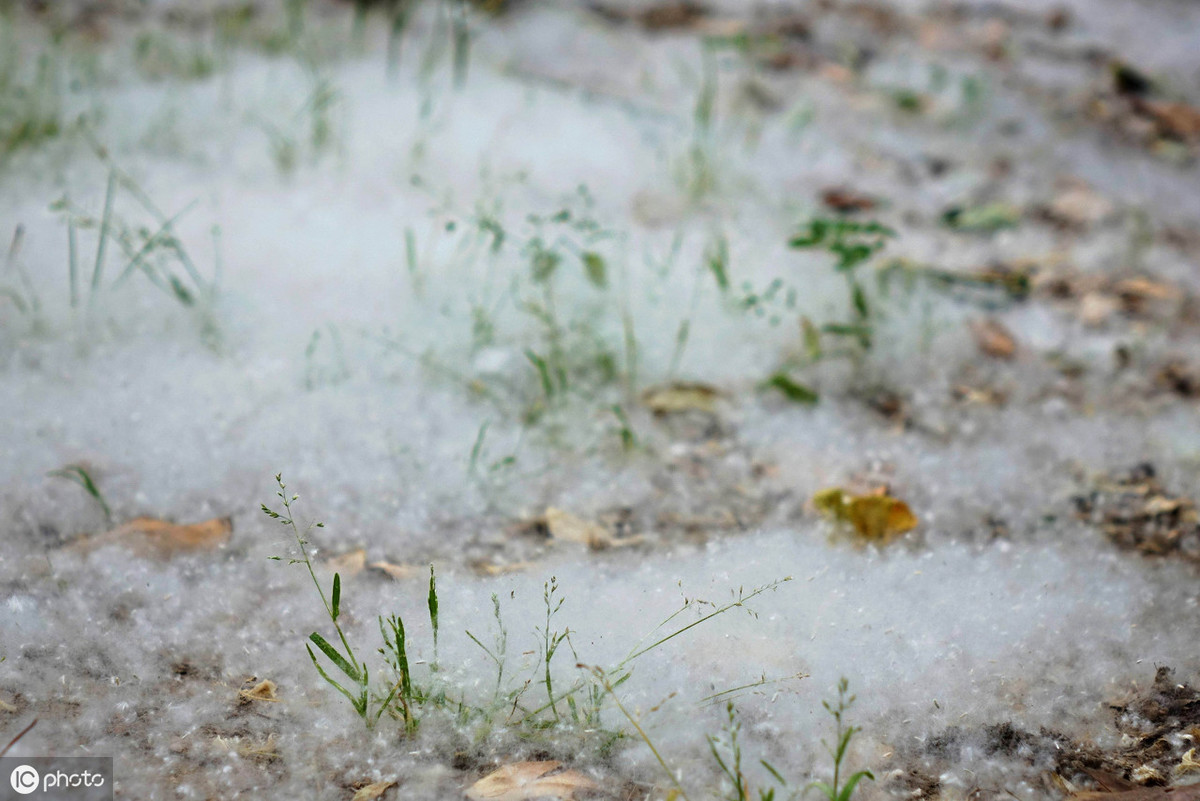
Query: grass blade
[(352, 672)]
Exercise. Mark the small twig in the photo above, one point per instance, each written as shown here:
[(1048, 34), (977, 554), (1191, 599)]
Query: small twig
[(20, 734)]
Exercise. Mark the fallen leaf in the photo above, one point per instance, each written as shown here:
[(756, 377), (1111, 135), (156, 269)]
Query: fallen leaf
[(147, 536), (1188, 762), (666, 16), (1142, 288), (567, 527), (247, 748), (398, 572), (263, 691), (982, 396), (874, 516), (1078, 205), (994, 339), (372, 791), (681, 396), (1188, 793), (524, 781), (1176, 120), (490, 569), (347, 564), (1096, 307), (847, 200)]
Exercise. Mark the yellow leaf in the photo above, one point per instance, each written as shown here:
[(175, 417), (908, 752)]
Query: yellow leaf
[(263, 691), (348, 564), (147, 536), (567, 527), (398, 572), (681, 396), (524, 781), (875, 517)]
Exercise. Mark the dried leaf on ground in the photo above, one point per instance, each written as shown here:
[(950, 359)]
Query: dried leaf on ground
[(994, 339), (484, 568), (1188, 763), (1141, 288), (1189, 793), (525, 781), (263, 691), (671, 15), (147, 536), (847, 200), (398, 572), (1096, 307), (981, 396), (1078, 205), (372, 791), (247, 748), (1175, 120), (347, 564), (1137, 513), (876, 516), (681, 396), (566, 527)]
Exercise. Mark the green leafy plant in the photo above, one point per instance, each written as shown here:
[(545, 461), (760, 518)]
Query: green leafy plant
[(852, 244), (727, 751), (839, 790), (356, 672), (577, 707), (156, 254)]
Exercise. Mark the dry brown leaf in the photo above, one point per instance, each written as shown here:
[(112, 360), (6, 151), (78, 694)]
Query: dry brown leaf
[(569, 528), (1188, 763), (847, 200), (1096, 307), (1188, 793), (263, 691), (1079, 205), (982, 396), (398, 572), (347, 564), (1143, 288), (372, 791), (524, 781), (994, 339), (681, 396), (669, 15), (489, 569), (874, 516), (248, 748), (1177, 120), (147, 536)]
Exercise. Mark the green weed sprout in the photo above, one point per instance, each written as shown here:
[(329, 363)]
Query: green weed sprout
[(728, 754), (845, 733), (349, 665), (79, 475), (853, 244)]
